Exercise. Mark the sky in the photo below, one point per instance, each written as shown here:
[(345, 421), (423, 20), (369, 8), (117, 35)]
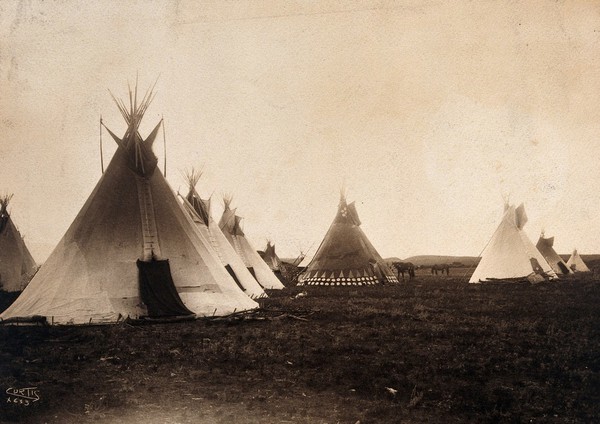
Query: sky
[(428, 113)]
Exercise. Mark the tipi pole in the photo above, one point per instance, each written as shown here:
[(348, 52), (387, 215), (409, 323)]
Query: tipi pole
[(165, 145), (101, 158)]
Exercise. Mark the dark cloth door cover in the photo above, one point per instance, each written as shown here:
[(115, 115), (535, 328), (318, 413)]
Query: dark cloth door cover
[(157, 290)]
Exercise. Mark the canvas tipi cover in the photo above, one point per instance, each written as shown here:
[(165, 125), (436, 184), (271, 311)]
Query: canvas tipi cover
[(544, 245), (510, 254), (132, 250), (271, 258), (16, 263), (346, 256), (576, 264), (199, 210), (230, 225), (282, 271)]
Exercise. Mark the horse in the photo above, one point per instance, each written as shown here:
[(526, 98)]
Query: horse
[(402, 267), (440, 268)]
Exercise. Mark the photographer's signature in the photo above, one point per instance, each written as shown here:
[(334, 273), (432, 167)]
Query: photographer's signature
[(25, 396)]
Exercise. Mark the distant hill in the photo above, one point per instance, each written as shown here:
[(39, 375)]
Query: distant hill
[(394, 259), (428, 260)]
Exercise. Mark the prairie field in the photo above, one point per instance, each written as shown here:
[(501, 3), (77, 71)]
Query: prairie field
[(434, 349)]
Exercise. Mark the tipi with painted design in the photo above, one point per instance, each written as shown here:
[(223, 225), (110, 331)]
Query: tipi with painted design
[(346, 256)]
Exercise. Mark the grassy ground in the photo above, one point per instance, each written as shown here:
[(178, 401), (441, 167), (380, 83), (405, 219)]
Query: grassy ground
[(432, 350)]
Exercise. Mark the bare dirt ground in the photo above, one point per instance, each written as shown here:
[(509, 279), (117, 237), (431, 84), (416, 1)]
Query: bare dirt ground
[(430, 350)]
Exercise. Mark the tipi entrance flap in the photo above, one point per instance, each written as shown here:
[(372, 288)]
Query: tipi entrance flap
[(235, 278), (157, 290)]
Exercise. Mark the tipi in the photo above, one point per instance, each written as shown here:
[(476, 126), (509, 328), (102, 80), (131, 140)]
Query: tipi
[(510, 254), (576, 264), (230, 225), (132, 250), (16, 263), (346, 256), (544, 245), (271, 258), (199, 210)]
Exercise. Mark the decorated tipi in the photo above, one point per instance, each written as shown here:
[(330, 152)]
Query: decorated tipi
[(230, 225), (199, 210), (16, 263), (132, 251), (510, 254), (346, 256), (576, 264), (544, 245)]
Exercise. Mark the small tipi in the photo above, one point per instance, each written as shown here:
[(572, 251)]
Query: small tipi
[(346, 256), (274, 262), (230, 225), (510, 254), (132, 251), (16, 263), (199, 210), (271, 258), (576, 264), (544, 245)]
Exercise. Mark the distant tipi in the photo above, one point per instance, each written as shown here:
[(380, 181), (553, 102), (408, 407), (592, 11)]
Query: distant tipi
[(544, 245), (271, 258), (199, 210), (132, 250), (16, 263), (510, 254), (230, 225), (346, 256), (576, 264)]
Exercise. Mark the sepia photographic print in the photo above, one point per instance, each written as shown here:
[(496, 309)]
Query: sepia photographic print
[(256, 211)]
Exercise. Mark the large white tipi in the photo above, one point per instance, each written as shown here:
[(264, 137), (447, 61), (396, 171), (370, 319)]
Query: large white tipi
[(576, 264), (16, 263), (230, 225), (199, 210), (132, 250), (510, 254)]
